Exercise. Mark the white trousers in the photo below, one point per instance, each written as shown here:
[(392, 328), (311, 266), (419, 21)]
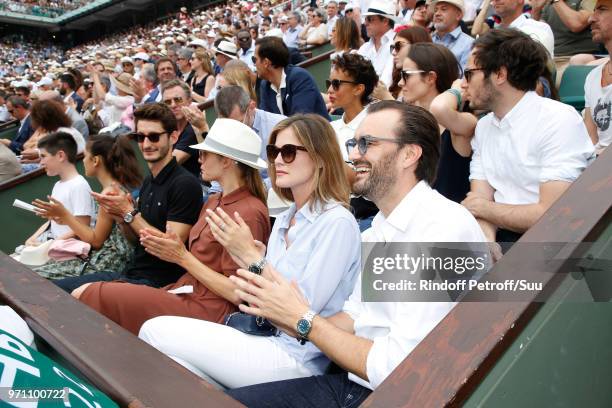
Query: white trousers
[(228, 356)]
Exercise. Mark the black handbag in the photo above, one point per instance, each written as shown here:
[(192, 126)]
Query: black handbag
[(255, 325)]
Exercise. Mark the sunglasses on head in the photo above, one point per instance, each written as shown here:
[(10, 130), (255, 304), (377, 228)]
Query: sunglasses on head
[(287, 152), (468, 72), (177, 100), (140, 137), (406, 73), (397, 46), (335, 83), (363, 142)]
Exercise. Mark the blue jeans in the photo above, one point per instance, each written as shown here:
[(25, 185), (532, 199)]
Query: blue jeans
[(329, 390), (70, 284)]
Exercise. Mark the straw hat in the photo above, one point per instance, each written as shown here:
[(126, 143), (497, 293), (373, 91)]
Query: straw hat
[(122, 82), (276, 205), (35, 255), (227, 48), (383, 8), (457, 3), (233, 139)]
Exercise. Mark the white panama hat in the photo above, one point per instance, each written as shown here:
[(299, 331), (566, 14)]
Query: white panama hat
[(233, 139)]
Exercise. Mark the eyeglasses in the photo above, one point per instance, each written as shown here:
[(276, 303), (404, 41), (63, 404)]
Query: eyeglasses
[(177, 100), (244, 39), (397, 46), (369, 19), (254, 60), (140, 137), (287, 152), (469, 72), (335, 83), (363, 142), (406, 73)]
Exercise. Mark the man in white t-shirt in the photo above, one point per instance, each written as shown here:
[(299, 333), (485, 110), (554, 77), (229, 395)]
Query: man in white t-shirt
[(529, 149), (58, 155), (379, 21), (598, 84), (395, 167)]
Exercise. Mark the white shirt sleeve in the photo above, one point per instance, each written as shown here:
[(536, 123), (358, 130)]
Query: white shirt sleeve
[(121, 102), (80, 199), (476, 168)]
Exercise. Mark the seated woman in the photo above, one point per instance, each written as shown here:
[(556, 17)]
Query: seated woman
[(344, 37), (203, 80), (112, 161), (315, 243), (229, 155), (349, 88), (428, 71), (47, 116)]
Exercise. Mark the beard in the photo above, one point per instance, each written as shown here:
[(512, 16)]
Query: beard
[(484, 100), (381, 179)]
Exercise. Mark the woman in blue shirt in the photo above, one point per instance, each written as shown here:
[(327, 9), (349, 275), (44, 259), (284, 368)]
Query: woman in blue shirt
[(315, 243)]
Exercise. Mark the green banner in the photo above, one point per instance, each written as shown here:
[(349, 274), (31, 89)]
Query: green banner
[(29, 379)]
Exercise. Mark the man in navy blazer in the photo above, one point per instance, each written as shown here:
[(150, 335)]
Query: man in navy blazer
[(19, 109), (68, 90), (298, 91)]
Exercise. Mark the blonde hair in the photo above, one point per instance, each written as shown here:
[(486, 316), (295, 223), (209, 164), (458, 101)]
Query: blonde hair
[(238, 73), (204, 58), (318, 137)]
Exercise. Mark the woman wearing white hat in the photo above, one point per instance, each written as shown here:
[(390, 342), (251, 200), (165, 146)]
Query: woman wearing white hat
[(315, 243), (230, 156)]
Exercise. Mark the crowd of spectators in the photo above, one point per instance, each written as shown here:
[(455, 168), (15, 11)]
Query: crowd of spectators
[(42, 8)]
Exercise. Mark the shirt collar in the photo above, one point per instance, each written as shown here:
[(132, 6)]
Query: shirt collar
[(305, 212), (517, 110), (165, 173), (236, 195), (257, 121), (283, 83), (401, 216), (354, 124), (517, 22), (453, 34)]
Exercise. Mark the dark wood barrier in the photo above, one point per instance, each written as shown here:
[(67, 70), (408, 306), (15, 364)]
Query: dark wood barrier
[(447, 366), (128, 370)]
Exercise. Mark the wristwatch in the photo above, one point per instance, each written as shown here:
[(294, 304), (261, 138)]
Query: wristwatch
[(304, 325), (257, 267), (129, 216)]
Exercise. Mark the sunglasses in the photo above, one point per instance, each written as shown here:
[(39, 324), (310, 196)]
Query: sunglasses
[(287, 152), (406, 73), (244, 39), (397, 46), (469, 72), (335, 83), (363, 142), (177, 100), (140, 137)]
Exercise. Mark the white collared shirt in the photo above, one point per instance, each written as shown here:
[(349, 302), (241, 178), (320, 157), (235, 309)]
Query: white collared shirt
[(539, 140), (382, 60), (345, 131), (330, 25), (396, 328), (247, 56), (279, 96), (291, 36)]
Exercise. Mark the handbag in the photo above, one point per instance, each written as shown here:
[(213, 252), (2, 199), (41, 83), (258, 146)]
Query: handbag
[(255, 325)]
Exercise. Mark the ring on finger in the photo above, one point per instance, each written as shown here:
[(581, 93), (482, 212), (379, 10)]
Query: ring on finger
[(222, 226)]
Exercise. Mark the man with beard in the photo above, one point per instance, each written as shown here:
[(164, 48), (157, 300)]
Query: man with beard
[(169, 197), (68, 91), (597, 89), (395, 152), (446, 19), (165, 70), (528, 149)]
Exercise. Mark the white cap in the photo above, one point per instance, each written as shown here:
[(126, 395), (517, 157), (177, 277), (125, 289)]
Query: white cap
[(45, 81), (127, 60), (199, 43), (142, 56)]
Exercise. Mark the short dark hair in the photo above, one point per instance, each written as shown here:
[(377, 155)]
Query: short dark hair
[(437, 58), (173, 83), (24, 89), (156, 112), (274, 49), (524, 58), (69, 79), (18, 102), (228, 97), (416, 126), (56, 141), (360, 70)]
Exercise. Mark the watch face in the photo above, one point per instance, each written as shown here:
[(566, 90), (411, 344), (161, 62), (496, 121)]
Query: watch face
[(255, 269), (303, 327), (128, 218)]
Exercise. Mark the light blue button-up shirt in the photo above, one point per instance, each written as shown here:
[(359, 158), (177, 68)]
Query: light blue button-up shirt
[(290, 37), (458, 42), (324, 258)]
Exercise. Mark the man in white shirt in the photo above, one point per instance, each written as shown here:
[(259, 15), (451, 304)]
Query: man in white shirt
[(529, 149), (379, 21), (598, 84), (395, 167), (246, 48), (332, 16)]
